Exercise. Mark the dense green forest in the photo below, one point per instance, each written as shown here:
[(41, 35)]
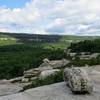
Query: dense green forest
[(14, 59), (19, 52), (86, 46)]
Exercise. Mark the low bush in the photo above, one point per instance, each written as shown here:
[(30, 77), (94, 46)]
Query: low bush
[(91, 62), (57, 77)]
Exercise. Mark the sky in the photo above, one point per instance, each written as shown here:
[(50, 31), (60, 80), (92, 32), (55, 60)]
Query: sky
[(68, 17)]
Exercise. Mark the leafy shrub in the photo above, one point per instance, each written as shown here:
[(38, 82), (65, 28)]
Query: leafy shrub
[(58, 77), (90, 62), (86, 46)]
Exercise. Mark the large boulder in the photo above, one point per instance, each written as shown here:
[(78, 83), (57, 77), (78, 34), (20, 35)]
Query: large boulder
[(78, 81), (47, 73)]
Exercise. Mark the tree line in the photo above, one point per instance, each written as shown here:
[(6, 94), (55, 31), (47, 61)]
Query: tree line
[(86, 46)]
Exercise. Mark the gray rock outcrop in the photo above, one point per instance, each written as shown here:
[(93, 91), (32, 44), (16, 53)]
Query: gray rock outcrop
[(15, 80), (31, 73), (57, 91), (47, 73), (8, 89), (78, 81), (54, 63)]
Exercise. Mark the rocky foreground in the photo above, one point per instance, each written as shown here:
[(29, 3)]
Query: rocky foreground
[(59, 91)]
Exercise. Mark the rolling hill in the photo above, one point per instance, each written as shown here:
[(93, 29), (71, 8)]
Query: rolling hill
[(17, 38)]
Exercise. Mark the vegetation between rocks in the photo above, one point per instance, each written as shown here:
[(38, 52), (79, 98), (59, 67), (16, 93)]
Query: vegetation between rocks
[(57, 77)]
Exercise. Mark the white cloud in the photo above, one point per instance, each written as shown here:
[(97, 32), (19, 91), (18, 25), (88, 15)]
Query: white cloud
[(54, 17), (26, 15), (57, 26)]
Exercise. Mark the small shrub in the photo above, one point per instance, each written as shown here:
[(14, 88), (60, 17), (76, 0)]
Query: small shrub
[(58, 77)]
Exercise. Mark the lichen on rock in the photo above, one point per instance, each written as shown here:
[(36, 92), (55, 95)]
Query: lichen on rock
[(78, 80)]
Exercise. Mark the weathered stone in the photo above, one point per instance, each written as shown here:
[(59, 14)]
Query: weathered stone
[(31, 73), (59, 63), (78, 80), (33, 78), (15, 80), (47, 73), (65, 62), (55, 63), (44, 68), (25, 80), (8, 89), (45, 64), (5, 81), (46, 60), (88, 55)]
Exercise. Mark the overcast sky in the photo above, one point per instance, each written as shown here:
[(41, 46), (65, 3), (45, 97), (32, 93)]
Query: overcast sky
[(73, 17)]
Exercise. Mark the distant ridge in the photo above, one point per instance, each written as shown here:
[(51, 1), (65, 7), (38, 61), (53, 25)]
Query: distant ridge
[(45, 38)]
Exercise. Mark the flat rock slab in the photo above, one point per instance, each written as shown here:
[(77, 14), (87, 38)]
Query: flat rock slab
[(58, 91), (7, 89)]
